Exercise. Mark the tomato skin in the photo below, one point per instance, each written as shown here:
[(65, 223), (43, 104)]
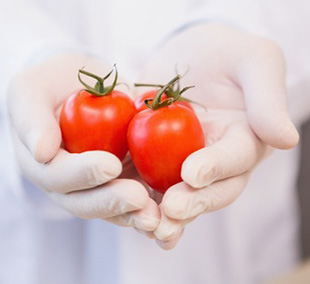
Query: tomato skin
[(90, 123), (140, 105), (160, 140)]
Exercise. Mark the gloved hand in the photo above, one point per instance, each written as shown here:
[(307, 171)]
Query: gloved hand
[(83, 184), (240, 78)]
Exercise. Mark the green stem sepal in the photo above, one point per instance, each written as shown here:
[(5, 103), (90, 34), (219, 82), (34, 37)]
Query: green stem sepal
[(172, 94), (98, 90)]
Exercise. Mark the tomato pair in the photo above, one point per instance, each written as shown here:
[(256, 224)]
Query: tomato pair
[(160, 136)]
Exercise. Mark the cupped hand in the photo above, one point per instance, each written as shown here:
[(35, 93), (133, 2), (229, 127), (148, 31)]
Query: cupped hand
[(240, 78), (85, 184)]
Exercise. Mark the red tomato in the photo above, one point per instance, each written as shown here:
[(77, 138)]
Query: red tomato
[(90, 122), (140, 105), (160, 140)]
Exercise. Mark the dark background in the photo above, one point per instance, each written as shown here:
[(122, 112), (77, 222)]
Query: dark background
[(304, 190)]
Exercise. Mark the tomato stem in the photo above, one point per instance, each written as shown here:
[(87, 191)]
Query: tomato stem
[(98, 90), (90, 75), (172, 93), (148, 85), (157, 103)]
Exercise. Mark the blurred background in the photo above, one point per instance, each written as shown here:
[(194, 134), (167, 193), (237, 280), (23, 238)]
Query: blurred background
[(302, 274), (304, 192), (303, 182)]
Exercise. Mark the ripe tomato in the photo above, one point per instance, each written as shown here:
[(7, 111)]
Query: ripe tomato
[(97, 120), (160, 140), (140, 105)]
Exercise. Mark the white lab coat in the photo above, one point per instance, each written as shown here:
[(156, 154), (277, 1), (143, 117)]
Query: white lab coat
[(250, 241)]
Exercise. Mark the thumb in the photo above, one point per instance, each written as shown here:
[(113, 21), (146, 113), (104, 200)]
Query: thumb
[(262, 78), (34, 96), (35, 123)]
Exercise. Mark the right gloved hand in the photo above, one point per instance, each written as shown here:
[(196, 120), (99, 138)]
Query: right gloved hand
[(240, 77), (83, 184)]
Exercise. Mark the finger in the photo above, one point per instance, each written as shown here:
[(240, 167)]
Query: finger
[(117, 197), (262, 78), (68, 172), (168, 228), (169, 245), (35, 123), (146, 220), (150, 235), (182, 202), (235, 153)]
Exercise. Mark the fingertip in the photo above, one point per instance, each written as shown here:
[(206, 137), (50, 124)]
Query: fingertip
[(170, 244), (291, 135), (99, 167), (289, 139), (112, 165), (166, 236), (149, 235), (186, 209), (148, 223), (136, 193), (176, 201), (165, 245), (196, 171), (45, 144), (149, 216), (168, 229), (276, 130), (174, 208)]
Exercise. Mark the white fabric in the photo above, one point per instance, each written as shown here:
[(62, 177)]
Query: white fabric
[(253, 239)]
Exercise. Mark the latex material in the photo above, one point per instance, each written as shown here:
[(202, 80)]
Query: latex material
[(83, 184)]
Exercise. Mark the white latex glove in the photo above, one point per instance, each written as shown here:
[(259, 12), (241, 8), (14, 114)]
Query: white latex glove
[(83, 184), (240, 78)]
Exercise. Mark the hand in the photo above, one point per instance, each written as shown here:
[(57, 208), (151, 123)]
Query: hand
[(83, 184), (240, 78)]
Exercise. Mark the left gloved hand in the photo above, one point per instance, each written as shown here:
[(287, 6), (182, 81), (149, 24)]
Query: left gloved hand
[(240, 78), (84, 184)]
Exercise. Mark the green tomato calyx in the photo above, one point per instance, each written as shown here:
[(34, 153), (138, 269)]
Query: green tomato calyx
[(172, 90), (98, 90)]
